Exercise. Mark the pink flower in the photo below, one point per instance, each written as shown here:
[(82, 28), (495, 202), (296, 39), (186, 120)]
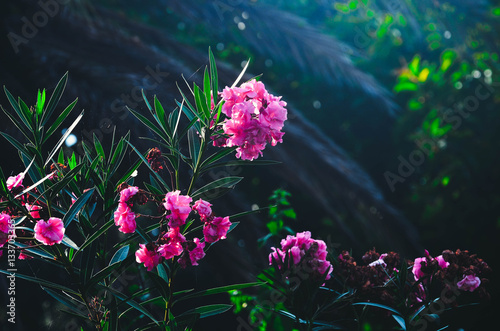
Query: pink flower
[(150, 258), (50, 232), (179, 207), (203, 209), (417, 272), (216, 229), (34, 210), (173, 247), (23, 256), (301, 248), (442, 263), (193, 252), (15, 181), (125, 218), (420, 293), (380, 261), (469, 283), (276, 255), (128, 193), (255, 118), (4, 223)]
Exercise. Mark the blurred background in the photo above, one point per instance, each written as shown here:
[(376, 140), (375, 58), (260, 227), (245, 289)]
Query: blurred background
[(393, 134)]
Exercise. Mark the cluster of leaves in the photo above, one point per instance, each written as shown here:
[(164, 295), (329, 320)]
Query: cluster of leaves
[(93, 260), (280, 210)]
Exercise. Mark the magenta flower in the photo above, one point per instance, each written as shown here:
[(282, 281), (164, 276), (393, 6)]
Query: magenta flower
[(417, 272), (150, 258), (173, 246), (203, 209), (469, 283), (125, 218), (50, 232), (128, 193), (380, 261), (255, 118), (193, 252), (23, 256), (442, 263), (301, 248), (15, 181), (179, 207), (4, 223), (216, 229), (34, 210)]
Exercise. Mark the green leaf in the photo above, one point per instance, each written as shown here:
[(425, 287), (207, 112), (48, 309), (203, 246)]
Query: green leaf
[(217, 156), (131, 303), (158, 177), (222, 183), (15, 105), (27, 113), (40, 102), (70, 302), (194, 147), (160, 117), (41, 282), (239, 163), (201, 103), (127, 175), (216, 290), (108, 271), (400, 320), (213, 74), (17, 124), (97, 234), (98, 147), (149, 124), (405, 86), (76, 207), (161, 285), (378, 306), (414, 65), (120, 255), (54, 98), (207, 311), (15, 143), (60, 185), (162, 272), (207, 93), (68, 242), (36, 251)]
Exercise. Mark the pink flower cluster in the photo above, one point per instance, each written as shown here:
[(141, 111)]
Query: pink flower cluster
[(124, 216), (423, 261), (50, 232), (303, 249), (173, 243), (255, 118)]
